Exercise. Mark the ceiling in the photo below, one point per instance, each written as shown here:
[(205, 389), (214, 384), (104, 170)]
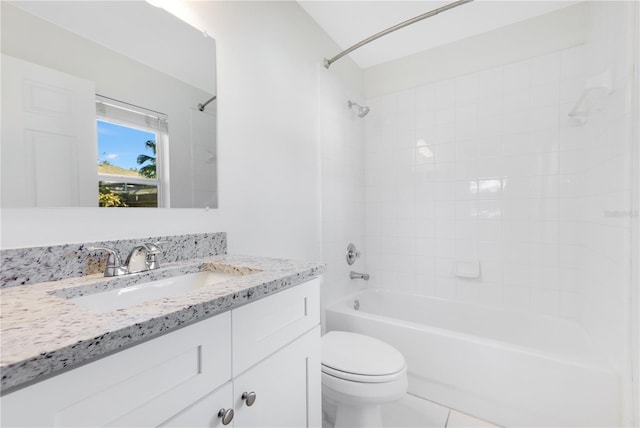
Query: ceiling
[(349, 22)]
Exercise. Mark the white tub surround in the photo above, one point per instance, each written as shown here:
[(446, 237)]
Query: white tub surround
[(508, 367), (43, 332)]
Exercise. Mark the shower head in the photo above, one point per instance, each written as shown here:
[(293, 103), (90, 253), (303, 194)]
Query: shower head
[(362, 110)]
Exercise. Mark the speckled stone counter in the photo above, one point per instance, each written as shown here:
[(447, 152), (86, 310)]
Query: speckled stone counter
[(24, 266), (44, 332)]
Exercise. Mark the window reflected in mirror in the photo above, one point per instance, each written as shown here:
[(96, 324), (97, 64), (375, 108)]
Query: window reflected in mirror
[(131, 151)]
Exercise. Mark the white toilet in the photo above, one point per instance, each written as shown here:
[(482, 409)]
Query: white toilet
[(359, 373)]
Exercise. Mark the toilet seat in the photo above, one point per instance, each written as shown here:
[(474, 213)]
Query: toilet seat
[(355, 377), (358, 358)]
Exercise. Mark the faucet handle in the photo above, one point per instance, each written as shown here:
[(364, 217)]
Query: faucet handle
[(153, 249), (352, 254), (114, 263)]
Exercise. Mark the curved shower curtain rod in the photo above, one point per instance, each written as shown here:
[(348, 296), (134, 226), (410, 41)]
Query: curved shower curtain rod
[(328, 62), (203, 105)]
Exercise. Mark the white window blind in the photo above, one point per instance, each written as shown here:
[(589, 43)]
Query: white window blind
[(134, 115)]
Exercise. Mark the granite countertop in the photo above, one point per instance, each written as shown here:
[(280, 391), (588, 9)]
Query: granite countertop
[(43, 332)]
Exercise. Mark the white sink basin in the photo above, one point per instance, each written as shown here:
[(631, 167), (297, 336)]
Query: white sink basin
[(126, 297)]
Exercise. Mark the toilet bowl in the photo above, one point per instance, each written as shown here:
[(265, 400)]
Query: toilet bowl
[(359, 374)]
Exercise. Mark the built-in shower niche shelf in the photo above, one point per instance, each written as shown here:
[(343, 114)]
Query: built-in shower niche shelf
[(467, 269)]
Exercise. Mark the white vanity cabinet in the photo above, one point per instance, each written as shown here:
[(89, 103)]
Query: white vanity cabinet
[(270, 347)]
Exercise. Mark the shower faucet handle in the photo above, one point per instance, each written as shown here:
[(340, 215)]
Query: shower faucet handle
[(352, 254)]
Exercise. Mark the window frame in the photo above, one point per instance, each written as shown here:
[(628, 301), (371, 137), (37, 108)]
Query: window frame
[(135, 114)]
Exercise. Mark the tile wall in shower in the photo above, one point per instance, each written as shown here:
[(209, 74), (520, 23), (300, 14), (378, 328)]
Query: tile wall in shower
[(484, 167)]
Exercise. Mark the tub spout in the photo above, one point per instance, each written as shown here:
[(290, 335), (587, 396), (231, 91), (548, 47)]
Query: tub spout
[(357, 275)]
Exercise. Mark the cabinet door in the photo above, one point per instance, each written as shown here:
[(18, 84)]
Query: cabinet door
[(287, 387), (204, 412)]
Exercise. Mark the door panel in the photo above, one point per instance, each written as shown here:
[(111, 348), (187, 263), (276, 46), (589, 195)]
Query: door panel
[(49, 148)]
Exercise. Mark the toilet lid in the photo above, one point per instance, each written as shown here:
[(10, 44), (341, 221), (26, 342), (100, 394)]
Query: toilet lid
[(345, 354)]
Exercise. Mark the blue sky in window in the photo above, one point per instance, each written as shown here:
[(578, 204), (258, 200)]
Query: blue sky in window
[(121, 145)]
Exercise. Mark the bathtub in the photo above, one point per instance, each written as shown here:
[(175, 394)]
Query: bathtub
[(507, 367)]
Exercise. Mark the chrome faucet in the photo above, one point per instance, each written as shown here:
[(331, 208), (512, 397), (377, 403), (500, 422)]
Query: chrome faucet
[(141, 258), (137, 259)]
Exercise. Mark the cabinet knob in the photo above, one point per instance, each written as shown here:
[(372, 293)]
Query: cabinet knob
[(249, 398), (226, 416)]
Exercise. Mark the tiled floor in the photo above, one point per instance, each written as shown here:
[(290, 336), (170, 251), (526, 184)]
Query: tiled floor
[(414, 412)]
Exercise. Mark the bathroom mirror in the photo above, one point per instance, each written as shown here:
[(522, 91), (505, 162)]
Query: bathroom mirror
[(75, 75)]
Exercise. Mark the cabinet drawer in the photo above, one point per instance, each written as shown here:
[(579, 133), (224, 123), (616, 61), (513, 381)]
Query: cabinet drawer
[(204, 412), (140, 386), (264, 326)]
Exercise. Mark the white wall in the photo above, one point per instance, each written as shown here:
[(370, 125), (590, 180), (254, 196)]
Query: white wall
[(607, 218), (534, 37), (269, 153), (635, 277)]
